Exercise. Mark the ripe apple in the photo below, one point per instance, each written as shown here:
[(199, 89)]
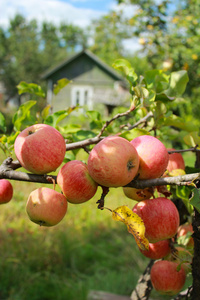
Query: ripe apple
[(6, 191), (157, 250), (75, 182), (160, 216), (166, 277), (46, 206), (40, 148), (153, 156), (113, 162), (176, 161), (183, 230), (138, 194)]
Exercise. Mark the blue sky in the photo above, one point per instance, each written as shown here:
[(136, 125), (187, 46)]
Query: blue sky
[(99, 5), (79, 12)]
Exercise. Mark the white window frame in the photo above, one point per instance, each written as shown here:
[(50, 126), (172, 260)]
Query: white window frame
[(78, 93)]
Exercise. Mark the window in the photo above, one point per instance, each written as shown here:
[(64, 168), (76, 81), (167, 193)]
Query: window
[(82, 95)]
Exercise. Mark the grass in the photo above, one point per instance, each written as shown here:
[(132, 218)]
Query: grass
[(86, 251)]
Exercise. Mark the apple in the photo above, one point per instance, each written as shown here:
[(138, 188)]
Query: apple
[(183, 230), (75, 182), (176, 161), (138, 194), (153, 156), (166, 277), (160, 217), (6, 191), (40, 148), (113, 162), (46, 206), (157, 250)]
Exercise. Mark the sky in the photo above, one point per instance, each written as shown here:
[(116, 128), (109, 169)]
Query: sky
[(77, 12)]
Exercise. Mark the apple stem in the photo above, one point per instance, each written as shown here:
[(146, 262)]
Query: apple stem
[(105, 191)]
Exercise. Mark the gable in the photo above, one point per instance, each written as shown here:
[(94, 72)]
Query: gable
[(84, 66)]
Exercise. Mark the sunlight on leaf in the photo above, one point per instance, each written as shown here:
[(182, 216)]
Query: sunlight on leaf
[(134, 224), (31, 88), (61, 83)]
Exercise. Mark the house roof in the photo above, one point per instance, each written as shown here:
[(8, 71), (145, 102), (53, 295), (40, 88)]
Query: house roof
[(92, 56)]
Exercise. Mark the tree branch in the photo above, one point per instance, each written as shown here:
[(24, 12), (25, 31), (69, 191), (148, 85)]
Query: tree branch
[(144, 286), (176, 180)]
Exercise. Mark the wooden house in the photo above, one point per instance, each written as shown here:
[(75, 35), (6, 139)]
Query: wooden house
[(94, 84)]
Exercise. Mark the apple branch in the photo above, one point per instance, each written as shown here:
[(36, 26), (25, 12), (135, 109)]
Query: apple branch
[(176, 180), (7, 171), (144, 286), (98, 137)]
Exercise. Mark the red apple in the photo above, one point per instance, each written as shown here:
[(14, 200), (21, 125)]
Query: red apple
[(46, 207), (40, 148), (153, 156), (113, 162), (176, 161), (183, 230), (166, 277), (160, 216), (6, 191), (157, 250), (75, 182), (138, 194)]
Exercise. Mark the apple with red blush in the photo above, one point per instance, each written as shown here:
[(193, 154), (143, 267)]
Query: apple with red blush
[(160, 217), (176, 161), (167, 277), (46, 207), (40, 148), (183, 231), (157, 250), (113, 162), (75, 182), (153, 156), (6, 191), (138, 194)]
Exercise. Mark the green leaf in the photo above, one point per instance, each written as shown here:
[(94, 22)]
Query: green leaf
[(57, 117), (125, 66), (192, 139), (45, 112), (94, 115), (31, 88), (195, 199), (83, 135), (154, 76), (61, 83), (183, 192), (178, 83), (180, 123), (2, 123), (132, 134), (69, 156), (22, 116)]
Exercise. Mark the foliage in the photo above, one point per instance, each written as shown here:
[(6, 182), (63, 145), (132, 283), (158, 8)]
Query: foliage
[(27, 49)]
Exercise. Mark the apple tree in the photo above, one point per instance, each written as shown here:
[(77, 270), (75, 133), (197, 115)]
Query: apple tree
[(139, 150)]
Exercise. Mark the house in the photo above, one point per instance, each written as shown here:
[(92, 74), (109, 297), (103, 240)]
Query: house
[(94, 84)]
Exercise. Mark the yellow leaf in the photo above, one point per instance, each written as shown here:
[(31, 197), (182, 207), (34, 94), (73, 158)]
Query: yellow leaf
[(134, 223)]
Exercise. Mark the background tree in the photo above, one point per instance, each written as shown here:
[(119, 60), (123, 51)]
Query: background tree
[(27, 49)]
